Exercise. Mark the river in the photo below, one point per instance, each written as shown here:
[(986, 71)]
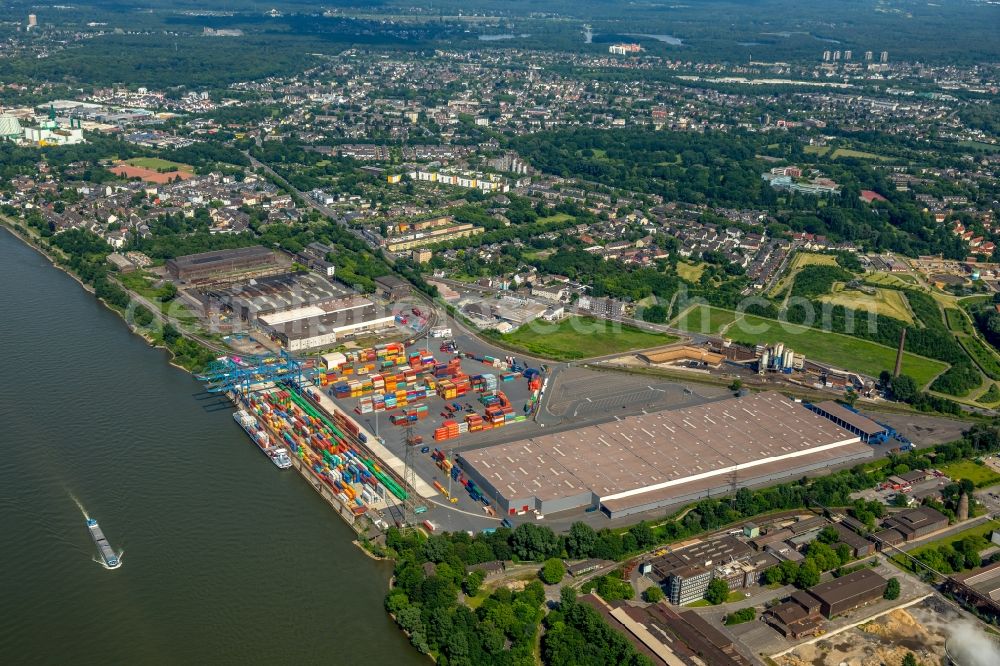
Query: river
[(227, 559)]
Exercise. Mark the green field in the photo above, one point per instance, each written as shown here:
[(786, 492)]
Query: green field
[(847, 152), (842, 351), (558, 217), (704, 319), (957, 321), (842, 152), (991, 396), (891, 279), (981, 475), (981, 530), (888, 302), (690, 272), (582, 337), (981, 354), (157, 164), (800, 261)]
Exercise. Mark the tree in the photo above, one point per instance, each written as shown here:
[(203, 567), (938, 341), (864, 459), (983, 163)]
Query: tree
[(581, 540), (473, 582), (653, 594), (531, 542), (168, 292), (741, 616), (552, 571), (910, 660), (736, 385), (900, 500), (892, 589), (655, 314), (717, 592), (567, 597), (850, 397), (807, 575), (828, 535), (903, 387)]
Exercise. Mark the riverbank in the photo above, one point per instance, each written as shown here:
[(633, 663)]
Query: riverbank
[(201, 514), (152, 341)]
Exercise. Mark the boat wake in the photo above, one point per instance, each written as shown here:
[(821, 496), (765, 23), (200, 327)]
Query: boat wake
[(106, 565), (80, 506)]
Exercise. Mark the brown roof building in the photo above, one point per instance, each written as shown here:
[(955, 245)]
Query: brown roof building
[(917, 522), (667, 637), (802, 614), (848, 592)]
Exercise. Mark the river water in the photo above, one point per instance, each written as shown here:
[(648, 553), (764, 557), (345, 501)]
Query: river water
[(227, 559)]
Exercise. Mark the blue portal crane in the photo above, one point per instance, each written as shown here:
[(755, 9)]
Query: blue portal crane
[(239, 373)]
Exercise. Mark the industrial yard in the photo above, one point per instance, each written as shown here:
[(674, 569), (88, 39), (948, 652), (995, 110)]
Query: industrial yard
[(922, 629)]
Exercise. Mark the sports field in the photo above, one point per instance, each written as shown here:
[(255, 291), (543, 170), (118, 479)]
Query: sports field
[(582, 337), (841, 351), (888, 302), (157, 164)]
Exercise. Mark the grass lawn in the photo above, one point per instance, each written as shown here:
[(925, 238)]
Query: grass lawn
[(991, 396), (846, 152), (981, 475), (558, 217), (803, 259), (704, 319), (582, 337), (701, 603), (816, 150), (800, 261), (690, 272), (957, 321), (892, 279), (983, 530), (842, 351), (157, 163), (888, 302), (982, 354)]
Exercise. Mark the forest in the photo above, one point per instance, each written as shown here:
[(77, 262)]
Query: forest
[(722, 169)]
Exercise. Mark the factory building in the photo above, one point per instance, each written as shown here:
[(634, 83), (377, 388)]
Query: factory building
[(303, 311), (684, 574), (322, 325), (652, 461), (217, 264), (801, 614), (869, 431), (911, 524)]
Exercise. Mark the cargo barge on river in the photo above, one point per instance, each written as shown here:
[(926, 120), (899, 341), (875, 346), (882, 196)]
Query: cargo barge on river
[(111, 560)]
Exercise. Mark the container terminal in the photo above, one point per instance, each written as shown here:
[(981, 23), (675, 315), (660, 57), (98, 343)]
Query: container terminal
[(391, 435)]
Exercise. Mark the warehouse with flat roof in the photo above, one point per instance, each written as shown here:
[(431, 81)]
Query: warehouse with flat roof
[(851, 421), (664, 458), (222, 264)]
